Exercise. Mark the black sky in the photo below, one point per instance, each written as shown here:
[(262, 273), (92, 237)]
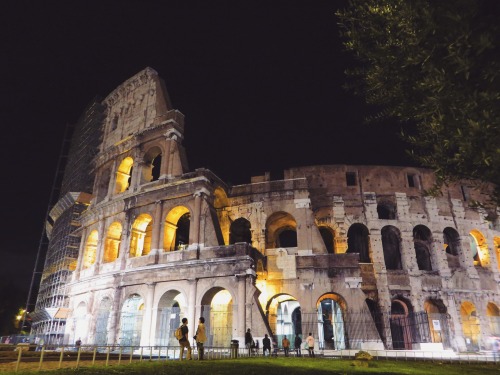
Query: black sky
[(260, 84)]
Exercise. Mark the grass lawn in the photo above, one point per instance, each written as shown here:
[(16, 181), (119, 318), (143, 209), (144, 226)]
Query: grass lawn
[(278, 366)]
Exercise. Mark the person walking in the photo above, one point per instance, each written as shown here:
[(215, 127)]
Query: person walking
[(297, 344), (200, 337), (184, 340), (310, 344), (266, 345), (249, 341), (286, 345)]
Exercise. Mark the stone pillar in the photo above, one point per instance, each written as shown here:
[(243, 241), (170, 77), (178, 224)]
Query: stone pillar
[(193, 283), (408, 257), (457, 340), (124, 250), (466, 259), (114, 319), (165, 161), (101, 241), (438, 255), (304, 240), (147, 336), (155, 236), (194, 231), (241, 279)]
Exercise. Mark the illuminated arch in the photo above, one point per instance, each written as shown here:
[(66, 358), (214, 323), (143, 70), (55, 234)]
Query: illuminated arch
[(438, 322), (171, 309), (401, 318), (102, 319), (284, 317), (479, 248), (112, 242), (217, 309), (131, 316), (152, 165), (90, 251), (470, 325), (176, 232), (140, 243), (328, 236), (496, 241), (493, 314), (220, 200), (332, 332), (123, 175), (281, 230), (81, 319)]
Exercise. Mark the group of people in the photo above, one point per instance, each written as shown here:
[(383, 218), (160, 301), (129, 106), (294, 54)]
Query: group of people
[(200, 337), (285, 343)]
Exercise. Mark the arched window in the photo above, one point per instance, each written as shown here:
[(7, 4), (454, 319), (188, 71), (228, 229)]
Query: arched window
[(281, 231), (479, 248), (422, 240), (177, 224), (240, 231), (90, 251), (123, 175), (386, 210), (391, 244), (358, 242), (328, 238), (112, 243), (152, 164), (140, 243)]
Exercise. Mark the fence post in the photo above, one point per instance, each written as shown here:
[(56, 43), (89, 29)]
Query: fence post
[(78, 357), (93, 357), (120, 355), (18, 358), (131, 354), (61, 357), (107, 356), (41, 358), (142, 349)]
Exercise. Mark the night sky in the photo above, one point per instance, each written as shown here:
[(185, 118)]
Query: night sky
[(260, 84)]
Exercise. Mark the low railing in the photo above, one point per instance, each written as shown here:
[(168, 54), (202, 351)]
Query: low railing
[(32, 357)]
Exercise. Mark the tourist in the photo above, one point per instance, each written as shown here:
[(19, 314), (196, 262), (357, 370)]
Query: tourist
[(200, 338), (286, 345), (310, 345), (184, 341), (266, 345), (297, 344)]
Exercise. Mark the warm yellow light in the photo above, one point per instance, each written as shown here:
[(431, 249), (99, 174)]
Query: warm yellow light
[(18, 317), (222, 298)]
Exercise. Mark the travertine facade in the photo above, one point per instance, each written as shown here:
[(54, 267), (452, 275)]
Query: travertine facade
[(355, 254)]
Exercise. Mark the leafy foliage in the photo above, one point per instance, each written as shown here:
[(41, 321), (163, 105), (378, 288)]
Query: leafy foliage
[(434, 64)]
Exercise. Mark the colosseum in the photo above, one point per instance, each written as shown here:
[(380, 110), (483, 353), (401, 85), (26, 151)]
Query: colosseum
[(357, 255)]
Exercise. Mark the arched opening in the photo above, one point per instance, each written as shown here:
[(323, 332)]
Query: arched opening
[(152, 165), (140, 243), (358, 242), (81, 322), (331, 329), (281, 231), (176, 233), (285, 318), (438, 321), (103, 185), (131, 321), (217, 309), (451, 240), (422, 241), (171, 309), (470, 325), (493, 314), (328, 238), (386, 210), (479, 248), (240, 231), (391, 244), (401, 324), (112, 243), (123, 175), (101, 324), (90, 251)]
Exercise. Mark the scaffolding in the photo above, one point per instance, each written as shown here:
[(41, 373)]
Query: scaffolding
[(58, 244)]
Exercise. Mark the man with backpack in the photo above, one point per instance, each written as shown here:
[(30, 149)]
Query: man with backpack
[(184, 339)]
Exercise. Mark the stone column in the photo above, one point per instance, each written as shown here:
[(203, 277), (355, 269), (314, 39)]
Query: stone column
[(193, 283), (408, 257), (164, 172), (439, 255), (466, 259), (304, 240), (457, 339), (147, 336), (155, 235), (124, 250), (241, 279), (101, 241), (194, 231), (114, 319)]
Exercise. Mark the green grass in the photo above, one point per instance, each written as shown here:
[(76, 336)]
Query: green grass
[(286, 366)]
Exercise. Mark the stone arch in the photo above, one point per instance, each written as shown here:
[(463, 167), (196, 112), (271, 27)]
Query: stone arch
[(451, 240), (176, 232), (220, 196), (422, 242), (479, 248), (332, 331), (81, 319), (240, 231), (437, 315), (131, 316), (171, 309), (493, 315), (142, 229), (102, 186), (470, 325), (328, 236), (102, 318), (401, 323), (89, 254), (151, 167), (281, 230), (391, 244), (123, 175), (112, 242), (284, 316), (386, 210), (358, 241), (217, 309)]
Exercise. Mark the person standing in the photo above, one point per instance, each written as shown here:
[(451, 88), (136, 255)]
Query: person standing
[(286, 345), (297, 344), (184, 340), (249, 341), (310, 344), (266, 345), (200, 337), (78, 343)]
